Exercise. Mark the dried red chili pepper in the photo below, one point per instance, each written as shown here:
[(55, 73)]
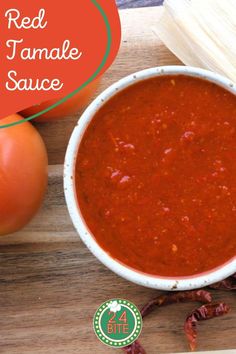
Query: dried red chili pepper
[(167, 299), (134, 348), (202, 296), (227, 284), (202, 313)]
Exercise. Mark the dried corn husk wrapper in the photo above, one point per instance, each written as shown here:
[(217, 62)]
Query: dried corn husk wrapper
[(201, 33)]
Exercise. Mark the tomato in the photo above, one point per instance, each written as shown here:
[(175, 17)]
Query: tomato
[(70, 107), (23, 174)]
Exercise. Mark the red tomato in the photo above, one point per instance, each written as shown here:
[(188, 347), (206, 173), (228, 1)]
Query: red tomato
[(23, 174), (67, 108)]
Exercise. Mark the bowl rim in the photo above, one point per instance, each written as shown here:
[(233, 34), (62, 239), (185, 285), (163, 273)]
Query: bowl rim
[(135, 276)]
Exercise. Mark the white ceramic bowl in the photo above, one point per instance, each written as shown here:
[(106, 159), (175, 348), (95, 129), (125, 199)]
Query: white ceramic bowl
[(162, 283)]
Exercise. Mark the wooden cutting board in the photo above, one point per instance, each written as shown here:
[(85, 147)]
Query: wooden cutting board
[(50, 284)]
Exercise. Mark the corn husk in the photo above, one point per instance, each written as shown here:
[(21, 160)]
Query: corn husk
[(201, 33)]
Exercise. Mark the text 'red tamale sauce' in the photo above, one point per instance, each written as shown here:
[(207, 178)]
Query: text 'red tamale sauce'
[(156, 176)]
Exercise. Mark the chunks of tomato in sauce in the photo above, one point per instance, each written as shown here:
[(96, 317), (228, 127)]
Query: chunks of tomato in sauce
[(156, 176)]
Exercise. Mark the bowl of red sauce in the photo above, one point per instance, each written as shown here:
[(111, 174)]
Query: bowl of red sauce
[(150, 177)]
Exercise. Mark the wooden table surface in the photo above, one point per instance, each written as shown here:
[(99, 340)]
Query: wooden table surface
[(125, 4), (51, 285)]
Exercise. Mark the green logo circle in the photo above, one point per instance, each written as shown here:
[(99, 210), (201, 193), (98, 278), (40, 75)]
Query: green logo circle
[(117, 323)]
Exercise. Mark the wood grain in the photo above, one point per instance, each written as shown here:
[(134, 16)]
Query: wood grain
[(125, 4), (51, 285)]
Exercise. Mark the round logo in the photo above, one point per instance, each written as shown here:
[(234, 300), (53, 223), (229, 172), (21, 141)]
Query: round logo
[(117, 323)]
